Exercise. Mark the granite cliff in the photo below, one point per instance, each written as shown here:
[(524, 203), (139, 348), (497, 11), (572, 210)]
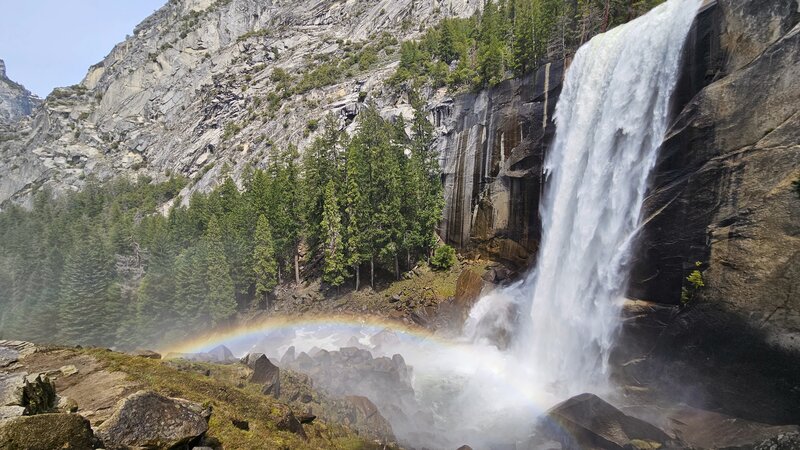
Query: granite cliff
[(16, 102), (202, 83)]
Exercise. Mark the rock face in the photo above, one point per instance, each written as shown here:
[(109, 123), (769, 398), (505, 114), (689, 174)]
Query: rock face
[(265, 373), (722, 196), (163, 99), (354, 372), (147, 419), (21, 393), (588, 422), (46, 431), (492, 150), (16, 102)]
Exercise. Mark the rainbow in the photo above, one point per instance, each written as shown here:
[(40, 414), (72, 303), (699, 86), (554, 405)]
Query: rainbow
[(249, 330), (503, 381)]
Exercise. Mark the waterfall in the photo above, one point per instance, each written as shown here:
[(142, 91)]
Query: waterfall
[(611, 118)]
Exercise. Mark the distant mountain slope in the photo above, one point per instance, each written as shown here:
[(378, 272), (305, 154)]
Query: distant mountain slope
[(16, 102), (196, 86)]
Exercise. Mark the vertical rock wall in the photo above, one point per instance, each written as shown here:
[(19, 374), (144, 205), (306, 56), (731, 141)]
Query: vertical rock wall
[(492, 149)]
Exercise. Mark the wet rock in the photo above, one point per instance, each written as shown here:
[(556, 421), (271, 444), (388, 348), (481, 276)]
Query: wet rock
[(288, 357), (785, 441), (586, 421), (367, 415), (264, 372), (285, 420), (699, 428), (241, 424), (492, 157), (148, 419), (46, 431)]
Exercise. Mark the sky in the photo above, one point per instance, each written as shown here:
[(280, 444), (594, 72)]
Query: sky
[(52, 43)]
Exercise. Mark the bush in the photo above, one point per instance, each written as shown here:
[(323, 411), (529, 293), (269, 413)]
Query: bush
[(696, 282), (444, 258)]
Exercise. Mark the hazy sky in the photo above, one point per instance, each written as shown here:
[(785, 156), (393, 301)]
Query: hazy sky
[(52, 43)]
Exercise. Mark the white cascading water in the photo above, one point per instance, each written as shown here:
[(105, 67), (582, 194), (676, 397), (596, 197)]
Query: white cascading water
[(611, 118)]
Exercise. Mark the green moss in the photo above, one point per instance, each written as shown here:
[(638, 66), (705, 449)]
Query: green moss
[(216, 386)]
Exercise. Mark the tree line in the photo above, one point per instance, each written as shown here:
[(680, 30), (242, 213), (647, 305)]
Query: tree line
[(508, 38), (104, 266)]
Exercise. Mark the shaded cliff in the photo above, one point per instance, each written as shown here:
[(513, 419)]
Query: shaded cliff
[(492, 149), (722, 196)]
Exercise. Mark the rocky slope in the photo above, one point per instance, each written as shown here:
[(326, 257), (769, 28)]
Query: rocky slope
[(16, 102), (96, 398), (195, 87)]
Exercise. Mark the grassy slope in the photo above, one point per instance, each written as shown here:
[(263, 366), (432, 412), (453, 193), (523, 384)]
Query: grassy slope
[(231, 402)]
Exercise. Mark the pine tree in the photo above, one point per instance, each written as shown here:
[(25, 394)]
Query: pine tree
[(320, 166), (335, 269), (491, 47), (265, 268), (88, 310), (219, 301), (156, 297), (425, 196)]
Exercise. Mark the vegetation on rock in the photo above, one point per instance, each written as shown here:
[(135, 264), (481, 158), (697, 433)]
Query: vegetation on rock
[(508, 37)]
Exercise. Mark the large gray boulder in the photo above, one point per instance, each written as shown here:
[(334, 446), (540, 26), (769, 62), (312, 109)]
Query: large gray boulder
[(264, 372), (21, 393), (588, 422), (148, 419), (46, 432)]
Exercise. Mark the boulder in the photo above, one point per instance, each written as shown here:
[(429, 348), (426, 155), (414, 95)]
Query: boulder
[(35, 393), (785, 441), (13, 351), (264, 372), (699, 428), (367, 418), (221, 354), (45, 432), (148, 419), (588, 422), (288, 357), (149, 354)]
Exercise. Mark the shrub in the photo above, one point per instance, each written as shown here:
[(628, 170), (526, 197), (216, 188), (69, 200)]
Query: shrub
[(696, 282), (444, 258)]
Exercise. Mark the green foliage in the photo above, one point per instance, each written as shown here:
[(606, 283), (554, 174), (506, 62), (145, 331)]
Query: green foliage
[(265, 268), (696, 283), (507, 37), (115, 270), (444, 258), (335, 270)]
